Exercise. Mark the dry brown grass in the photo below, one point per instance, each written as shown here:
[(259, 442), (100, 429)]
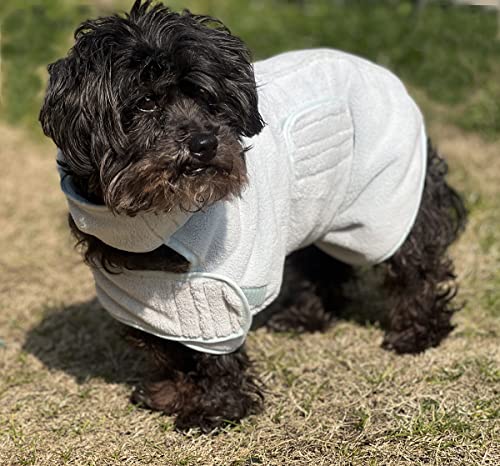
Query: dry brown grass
[(334, 398)]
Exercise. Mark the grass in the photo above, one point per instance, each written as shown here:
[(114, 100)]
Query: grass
[(34, 33), (449, 52), (333, 398)]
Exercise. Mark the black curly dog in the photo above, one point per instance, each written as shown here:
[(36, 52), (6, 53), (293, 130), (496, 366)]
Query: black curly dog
[(136, 87)]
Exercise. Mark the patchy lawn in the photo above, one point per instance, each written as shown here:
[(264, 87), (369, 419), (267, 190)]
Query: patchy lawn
[(333, 398)]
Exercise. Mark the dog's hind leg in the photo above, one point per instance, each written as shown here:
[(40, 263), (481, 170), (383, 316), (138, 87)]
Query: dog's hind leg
[(419, 278), (311, 294)]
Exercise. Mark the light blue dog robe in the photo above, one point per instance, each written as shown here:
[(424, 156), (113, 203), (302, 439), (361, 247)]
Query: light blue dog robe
[(341, 164)]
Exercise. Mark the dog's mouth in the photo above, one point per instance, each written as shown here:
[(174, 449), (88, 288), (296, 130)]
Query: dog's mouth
[(160, 185), (198, 171), (191, 171), (194, 168)]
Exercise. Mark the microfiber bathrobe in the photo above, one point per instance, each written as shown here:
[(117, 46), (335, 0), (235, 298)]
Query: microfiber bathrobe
[(340, 163)]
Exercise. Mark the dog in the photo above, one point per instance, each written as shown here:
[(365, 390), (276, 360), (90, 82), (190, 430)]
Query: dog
[(204, 189)]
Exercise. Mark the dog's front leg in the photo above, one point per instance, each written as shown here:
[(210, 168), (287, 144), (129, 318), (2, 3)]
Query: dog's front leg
[(202, 390), (167, 385), (227, 390)]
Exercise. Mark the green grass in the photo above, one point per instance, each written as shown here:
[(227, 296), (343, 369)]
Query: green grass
[(448, 52), (34, 33)]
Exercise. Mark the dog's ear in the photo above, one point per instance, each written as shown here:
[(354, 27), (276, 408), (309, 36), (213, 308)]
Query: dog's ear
[(80, 114), (232, 59), (241, 86), (62, 114)]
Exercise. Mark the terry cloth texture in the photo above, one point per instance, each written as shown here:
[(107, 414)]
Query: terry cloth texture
[(340, 163)]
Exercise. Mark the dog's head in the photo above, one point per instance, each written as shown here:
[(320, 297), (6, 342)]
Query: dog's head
[(149, 110)]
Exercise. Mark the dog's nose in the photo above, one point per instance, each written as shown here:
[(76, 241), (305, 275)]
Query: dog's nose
[(203, 146)]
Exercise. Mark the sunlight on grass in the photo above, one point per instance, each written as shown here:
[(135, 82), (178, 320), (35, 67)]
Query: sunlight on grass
[(332, 398), (34, 33), (447, 51)]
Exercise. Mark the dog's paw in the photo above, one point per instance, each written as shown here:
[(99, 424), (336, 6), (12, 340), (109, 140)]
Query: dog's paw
[(414, 340), (159, 396), (393, 342), (209, 413)]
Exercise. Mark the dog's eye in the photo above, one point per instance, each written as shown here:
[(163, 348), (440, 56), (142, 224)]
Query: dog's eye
[(147, 104), (193, 90), (189, 88)]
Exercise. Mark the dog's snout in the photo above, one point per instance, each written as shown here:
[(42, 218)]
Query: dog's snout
[(203, 146)]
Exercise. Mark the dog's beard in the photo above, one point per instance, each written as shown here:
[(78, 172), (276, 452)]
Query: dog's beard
[(168, 178)]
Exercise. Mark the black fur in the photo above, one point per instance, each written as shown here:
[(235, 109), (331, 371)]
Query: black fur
[(420, 277), (125, 106), (200, 78)]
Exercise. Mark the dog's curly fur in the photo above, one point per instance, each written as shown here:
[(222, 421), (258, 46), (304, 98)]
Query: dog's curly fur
[(124, 102), (123, 107)]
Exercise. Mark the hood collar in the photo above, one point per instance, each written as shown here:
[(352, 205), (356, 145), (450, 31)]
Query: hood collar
[(143, 232)]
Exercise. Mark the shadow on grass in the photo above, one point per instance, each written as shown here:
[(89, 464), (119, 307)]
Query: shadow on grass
[(86, 343), (367, 303)]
